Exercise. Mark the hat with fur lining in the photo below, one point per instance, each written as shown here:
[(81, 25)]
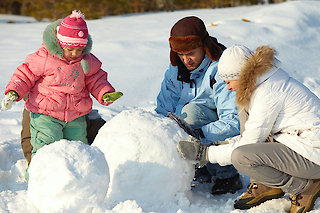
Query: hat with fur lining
[(190, 33), (232, 61), (73, 31), (54, 48), (52, 43)]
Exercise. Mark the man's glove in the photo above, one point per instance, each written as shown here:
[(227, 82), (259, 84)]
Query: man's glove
[(197, 133), (111, 97), (8, 100), (194, 150)]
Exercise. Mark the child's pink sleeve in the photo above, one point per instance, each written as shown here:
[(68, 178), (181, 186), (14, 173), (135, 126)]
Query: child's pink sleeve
[(25, 76), (97, 80)]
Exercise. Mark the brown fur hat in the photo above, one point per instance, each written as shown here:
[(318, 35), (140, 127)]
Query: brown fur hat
[(190, 33)]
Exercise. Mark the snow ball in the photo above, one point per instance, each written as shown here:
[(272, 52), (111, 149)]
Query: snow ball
[(140, 148), (68, 176)]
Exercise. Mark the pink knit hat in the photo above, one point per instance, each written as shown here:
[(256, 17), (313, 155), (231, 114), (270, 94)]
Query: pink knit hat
[(73, 31)]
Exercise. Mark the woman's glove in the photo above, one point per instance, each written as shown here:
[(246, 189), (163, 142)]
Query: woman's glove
[(194, 150), (8, 100), (111, 97)]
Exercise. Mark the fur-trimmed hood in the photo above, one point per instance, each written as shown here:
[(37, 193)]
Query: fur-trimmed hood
[(52, 44), (260, 66)]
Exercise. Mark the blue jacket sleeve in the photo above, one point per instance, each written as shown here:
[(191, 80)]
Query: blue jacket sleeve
[(170, 92), (228, 124)]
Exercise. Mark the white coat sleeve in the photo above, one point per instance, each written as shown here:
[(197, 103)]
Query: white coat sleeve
[(264, 109)]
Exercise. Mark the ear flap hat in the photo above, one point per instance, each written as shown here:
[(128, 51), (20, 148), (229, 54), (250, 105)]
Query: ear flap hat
[(190, 33)]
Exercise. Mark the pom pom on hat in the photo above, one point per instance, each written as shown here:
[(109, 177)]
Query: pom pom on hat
[(232, 61), (73, 31)]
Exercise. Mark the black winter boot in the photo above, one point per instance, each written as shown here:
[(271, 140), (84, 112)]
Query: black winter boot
[(201, 176), (228, 185)]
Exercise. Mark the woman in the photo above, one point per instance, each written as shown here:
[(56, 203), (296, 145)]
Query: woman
[(279, 145)]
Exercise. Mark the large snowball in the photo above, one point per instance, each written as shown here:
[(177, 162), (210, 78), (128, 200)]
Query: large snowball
[(68, 176), (144, 164)]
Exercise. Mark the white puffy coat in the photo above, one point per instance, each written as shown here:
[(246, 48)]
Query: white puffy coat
[(278, 106)]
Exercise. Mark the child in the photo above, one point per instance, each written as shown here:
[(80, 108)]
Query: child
[(59, 78)]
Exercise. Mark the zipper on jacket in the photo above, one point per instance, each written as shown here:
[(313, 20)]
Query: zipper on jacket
[(195, 86), (66, 108)]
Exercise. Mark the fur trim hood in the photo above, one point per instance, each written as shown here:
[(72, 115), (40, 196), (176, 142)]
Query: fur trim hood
[(257, 65), (52, 44)]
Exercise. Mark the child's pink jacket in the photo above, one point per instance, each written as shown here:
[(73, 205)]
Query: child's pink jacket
[(60, 88)]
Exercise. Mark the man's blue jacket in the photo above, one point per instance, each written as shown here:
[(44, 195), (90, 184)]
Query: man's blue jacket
[(201, 86)]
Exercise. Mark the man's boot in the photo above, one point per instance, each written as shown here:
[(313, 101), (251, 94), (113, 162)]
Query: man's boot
[(201, 176), (304, 201), (227, 185), (257, 194)]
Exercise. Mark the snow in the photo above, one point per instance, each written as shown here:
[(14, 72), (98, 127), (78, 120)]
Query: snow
[(145, 173), (68, 181), (143, 151)]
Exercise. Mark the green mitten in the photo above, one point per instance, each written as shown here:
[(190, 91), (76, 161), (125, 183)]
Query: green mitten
[(112, 96), (194, 150), (8, 100)]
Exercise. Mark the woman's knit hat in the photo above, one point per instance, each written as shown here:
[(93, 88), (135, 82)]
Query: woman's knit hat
[(73, 31), (232, 61), (190, 33)]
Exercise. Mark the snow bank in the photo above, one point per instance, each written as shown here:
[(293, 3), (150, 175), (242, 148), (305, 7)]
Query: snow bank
[(68, 176), (11, 167), (140, 148)]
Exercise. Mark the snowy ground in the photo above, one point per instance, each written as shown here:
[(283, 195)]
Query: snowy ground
[(140, 170)]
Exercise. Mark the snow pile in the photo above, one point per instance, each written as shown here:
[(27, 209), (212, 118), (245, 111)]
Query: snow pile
[(68, 176), (11, 167), (129, 206), (140, 148)]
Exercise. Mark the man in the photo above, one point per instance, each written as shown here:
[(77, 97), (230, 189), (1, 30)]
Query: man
[(192, 90)]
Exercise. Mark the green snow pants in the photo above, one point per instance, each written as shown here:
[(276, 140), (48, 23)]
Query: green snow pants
[(46, 130)]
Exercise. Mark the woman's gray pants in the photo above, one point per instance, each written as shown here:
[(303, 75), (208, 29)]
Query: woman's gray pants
[(275, 165)]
